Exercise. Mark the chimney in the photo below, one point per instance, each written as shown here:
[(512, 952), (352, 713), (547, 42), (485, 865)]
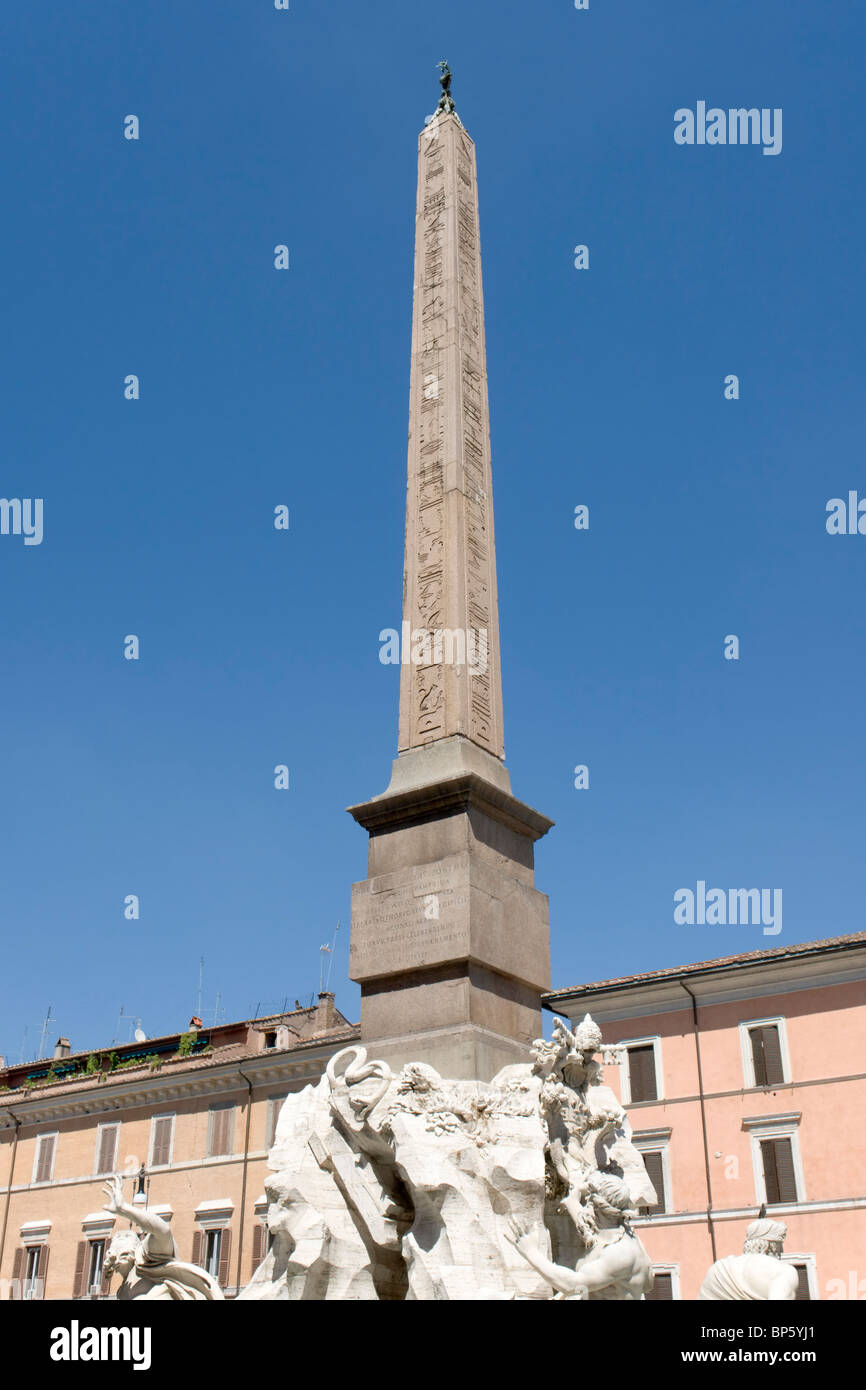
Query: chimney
[(325, 1011), (62, 1048)]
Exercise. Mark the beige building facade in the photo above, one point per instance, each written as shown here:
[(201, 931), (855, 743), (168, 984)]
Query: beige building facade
[(196, 1111), (744, 1083)]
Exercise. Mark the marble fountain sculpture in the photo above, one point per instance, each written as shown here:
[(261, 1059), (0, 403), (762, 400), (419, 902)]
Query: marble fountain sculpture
[(412, 1186)]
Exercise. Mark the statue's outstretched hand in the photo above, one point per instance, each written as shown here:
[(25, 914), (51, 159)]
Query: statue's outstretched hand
[(517, 1233), (113, 1190)]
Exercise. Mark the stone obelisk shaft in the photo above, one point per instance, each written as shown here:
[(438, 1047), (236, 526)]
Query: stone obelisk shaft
[(450, 566), (450, 938)]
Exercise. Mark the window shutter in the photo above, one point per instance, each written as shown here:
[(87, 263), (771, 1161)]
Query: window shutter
[(17, 1265), (45, 1160), (642, 1073), (221, 1127), (196, 1248), (785, 1170), (80, 1260), (772, 1057), (107, 1148), (662, 1290), (655, 1172), (757, 1037), (767, 1055), (259, 1232), (771, 1179), (779, 1177), (802, 1295), (275, 1105), (43, 1266), (161, 1140), (225, 1252)]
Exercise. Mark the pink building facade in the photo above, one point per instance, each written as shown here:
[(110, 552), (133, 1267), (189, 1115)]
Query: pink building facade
[(744, 1079)]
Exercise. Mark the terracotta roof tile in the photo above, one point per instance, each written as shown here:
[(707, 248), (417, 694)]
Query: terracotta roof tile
[(806, 948)]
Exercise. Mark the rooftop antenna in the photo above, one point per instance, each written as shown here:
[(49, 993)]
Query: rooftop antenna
[(331, 956), (200, 980), (44, 1033), (116, 1037)]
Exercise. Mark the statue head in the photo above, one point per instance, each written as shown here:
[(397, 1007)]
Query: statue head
[(120, 1258), (611, 1198), (765, 1237), (587, 1036)]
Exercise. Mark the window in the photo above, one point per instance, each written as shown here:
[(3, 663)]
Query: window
[(666, 1284), (94, 1267), (35, 1269), (776, 1158), (642, 1073), (766, 1056), (29, 1270), (662, 1289), (778, 1163), (106, 1148), (212, 1243), (161, 1136), (807, 1278), (653, 1145), (275, 1104), (31, 1266), (652, 1161), (220, 1130), (211, 1248), (90, 1279), (640, 1070), (43, 1166), (764, 1047), (270, 1040), (261, 1244)]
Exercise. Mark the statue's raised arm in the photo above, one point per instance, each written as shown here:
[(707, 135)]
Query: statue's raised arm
[(159, 1231), (148, 1265)]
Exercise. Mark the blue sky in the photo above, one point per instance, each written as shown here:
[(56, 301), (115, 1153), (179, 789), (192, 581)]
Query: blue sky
[(707, 516)]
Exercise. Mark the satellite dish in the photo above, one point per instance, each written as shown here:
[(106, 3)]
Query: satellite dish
[(140, 1035)]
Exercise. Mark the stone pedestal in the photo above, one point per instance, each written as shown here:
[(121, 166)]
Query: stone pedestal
[(450, 937)]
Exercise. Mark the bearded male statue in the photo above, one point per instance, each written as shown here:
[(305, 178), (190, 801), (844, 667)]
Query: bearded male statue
[(758, 1274), (616, 1265), (148, 1264)]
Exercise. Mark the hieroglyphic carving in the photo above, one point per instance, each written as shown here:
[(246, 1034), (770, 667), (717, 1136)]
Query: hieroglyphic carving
[(450, 579)]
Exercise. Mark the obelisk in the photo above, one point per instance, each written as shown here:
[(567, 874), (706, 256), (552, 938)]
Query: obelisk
[(450, 937)]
